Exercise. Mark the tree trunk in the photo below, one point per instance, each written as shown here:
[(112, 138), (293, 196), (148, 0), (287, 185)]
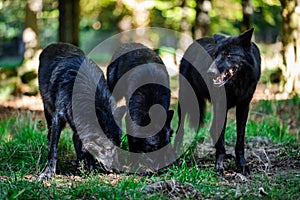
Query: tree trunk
[(31, 31), (141, 19), (28, 70), (247, 12), (201, 27), (291, 44), (185, 26), (69, 11)]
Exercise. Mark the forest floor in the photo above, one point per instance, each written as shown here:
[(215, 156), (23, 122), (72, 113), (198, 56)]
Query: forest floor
[(274, 159)]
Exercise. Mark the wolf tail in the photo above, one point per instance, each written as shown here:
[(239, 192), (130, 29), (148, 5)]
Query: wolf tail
[(202, 108), (180, 130)]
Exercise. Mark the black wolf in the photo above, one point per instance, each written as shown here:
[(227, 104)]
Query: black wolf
[(62, 64), (138, 68), (210, 65)]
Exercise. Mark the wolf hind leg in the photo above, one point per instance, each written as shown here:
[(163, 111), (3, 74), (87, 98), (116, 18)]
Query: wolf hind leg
[(58, 123), (81, 153)]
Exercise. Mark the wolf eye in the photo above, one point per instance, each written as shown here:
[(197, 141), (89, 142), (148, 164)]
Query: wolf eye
[(226, 55), (214, 54)]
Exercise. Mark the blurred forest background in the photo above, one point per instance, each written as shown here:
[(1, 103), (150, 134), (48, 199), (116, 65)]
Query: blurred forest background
[(27, 26)]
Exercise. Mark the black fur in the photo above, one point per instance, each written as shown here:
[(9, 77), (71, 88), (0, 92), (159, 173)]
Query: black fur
[(59, 67), (129, 57), (239, 60)]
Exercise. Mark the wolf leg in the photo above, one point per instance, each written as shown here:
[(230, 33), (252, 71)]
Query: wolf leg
[(220, 151), (58, 124), (217, 132), (81, 153), (242, 111)]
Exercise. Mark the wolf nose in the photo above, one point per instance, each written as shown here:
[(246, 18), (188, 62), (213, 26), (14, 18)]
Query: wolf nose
[(213, 70)]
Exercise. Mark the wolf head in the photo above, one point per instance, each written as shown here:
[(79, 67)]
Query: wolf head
[(162, 138), (229, 55)]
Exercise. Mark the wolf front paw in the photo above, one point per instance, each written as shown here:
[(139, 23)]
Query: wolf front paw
[(243, 169), (220, 166), (46, 174), (241, 165)]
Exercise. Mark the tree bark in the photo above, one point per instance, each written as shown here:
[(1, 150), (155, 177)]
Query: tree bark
[(185, 26), (291, 44), (141, 19), (247, 13), (31, 31), (201, 26), (69, 11)]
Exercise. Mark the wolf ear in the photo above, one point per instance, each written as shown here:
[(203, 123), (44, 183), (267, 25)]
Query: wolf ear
[(218, 37), (170, 114), (245, 38)]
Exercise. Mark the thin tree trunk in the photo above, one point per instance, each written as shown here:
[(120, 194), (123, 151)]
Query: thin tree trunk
[(247, 12), (185, 26), (291, 45), (69, 11), (201, 27), (141, 19), (31, 31)]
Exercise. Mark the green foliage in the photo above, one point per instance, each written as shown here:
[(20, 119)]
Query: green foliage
[(101, 19), (12, 14), (267, 20), (48, 24), (226, 17)]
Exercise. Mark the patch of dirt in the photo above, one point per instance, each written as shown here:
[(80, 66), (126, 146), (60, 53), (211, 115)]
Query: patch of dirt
[(66, 181), (23, 102), (35, 104), (6, 112), (266, 92), (261, 155), (173, 189)]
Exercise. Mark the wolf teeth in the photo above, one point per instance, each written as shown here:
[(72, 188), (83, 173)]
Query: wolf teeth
[(225, 76)]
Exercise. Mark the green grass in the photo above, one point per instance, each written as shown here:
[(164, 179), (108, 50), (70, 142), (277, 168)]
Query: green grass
[(23, 154)]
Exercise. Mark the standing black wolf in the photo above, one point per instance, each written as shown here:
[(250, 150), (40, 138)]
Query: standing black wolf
[(234, 65), (145, 82), (60, 66)]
